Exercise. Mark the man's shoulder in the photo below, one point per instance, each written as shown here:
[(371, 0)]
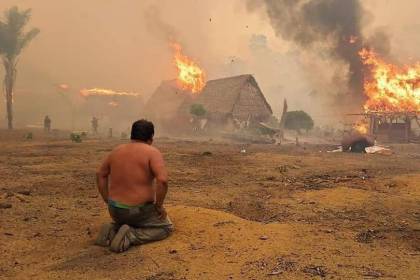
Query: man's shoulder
[(136, 147), (154, 149), (120, 148)]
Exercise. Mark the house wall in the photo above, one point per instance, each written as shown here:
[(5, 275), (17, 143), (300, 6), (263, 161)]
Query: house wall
[(165, 103), (251, 103)]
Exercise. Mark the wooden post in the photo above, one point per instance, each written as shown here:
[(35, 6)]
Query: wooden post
[(283, 120), (390, 123), (372, 125), (407, 129)]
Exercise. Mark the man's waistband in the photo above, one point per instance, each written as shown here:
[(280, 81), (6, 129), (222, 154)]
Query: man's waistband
[(117, 204)]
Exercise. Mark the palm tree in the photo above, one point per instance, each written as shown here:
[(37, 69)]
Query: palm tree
[(13, 39)]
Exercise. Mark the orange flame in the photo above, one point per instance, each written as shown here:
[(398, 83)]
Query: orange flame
[(361, 127), (105, 92), (190, 75), (391, 88)]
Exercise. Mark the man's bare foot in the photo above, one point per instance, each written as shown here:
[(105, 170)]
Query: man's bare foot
[(106, 234), (121, 243)]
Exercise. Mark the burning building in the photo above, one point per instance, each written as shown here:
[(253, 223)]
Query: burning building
[(227, 102), (393, 126), (393, 98), (164, 106)]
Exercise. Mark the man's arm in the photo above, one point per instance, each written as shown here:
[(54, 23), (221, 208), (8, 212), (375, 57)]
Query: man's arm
[(102, 179), (158, 168)]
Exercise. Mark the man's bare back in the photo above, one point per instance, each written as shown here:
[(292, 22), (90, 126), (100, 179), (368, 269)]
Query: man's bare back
[(132, 168), (125, 181)]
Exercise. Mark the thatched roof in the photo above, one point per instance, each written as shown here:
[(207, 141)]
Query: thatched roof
[(238, 96), (166, 101)]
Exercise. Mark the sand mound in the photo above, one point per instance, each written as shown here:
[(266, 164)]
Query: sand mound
[(206, 244)]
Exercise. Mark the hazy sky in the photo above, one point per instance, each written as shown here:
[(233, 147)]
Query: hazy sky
[(112, 43), (123, 45)]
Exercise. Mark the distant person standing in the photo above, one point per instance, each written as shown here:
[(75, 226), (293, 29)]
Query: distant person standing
[(47, 124), (95, 125)]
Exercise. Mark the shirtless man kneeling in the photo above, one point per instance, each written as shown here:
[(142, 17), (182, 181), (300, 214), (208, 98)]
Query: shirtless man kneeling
[(135, 205)]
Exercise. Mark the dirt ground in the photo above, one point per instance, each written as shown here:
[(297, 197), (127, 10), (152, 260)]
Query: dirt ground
[(274, 212)]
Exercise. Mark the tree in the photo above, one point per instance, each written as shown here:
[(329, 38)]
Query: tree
[(197, 110), (13, 39), (297, 120)]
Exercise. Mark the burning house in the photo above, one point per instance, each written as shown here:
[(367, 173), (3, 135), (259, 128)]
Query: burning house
[(164, 105), (392, 108), (393, 126), (227, 102)]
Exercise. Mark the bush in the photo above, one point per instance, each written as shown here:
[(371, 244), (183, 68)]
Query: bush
[(197, 110), (297, 120), (75, 137), (29, 136)]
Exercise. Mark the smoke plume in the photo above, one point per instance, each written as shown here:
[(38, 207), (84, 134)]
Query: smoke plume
[(158, 26), (331, 27)]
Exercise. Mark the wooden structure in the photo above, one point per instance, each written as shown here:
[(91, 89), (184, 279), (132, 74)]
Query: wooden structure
[(392, 126), (234, 99), (164, 106), (229, 102)]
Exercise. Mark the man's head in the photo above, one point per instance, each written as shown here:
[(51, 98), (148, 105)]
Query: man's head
[(143, 131)]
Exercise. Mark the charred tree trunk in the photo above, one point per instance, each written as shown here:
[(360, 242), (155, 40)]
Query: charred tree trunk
[(9, 82)]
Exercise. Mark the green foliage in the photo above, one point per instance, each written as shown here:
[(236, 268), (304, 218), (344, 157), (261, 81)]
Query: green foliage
[(13, 38), (29, 136), (197, 110), (75, 137), (265, 131), (298, 120)]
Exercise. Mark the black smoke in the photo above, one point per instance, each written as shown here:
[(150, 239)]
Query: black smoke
[(333, 27)]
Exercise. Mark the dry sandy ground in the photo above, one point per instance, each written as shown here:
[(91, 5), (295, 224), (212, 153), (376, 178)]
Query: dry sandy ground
[(270, 213)]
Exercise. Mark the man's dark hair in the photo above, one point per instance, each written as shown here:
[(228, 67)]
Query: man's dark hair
[(142, 130)]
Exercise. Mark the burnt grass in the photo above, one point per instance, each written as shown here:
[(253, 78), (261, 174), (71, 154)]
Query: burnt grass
[(370, 198)]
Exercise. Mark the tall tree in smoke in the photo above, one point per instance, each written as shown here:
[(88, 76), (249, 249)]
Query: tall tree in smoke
[(13, 39), (332, 26)]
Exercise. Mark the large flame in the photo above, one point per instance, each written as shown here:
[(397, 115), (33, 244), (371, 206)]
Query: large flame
[(190, 75), (106, 92), (391, 88)]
